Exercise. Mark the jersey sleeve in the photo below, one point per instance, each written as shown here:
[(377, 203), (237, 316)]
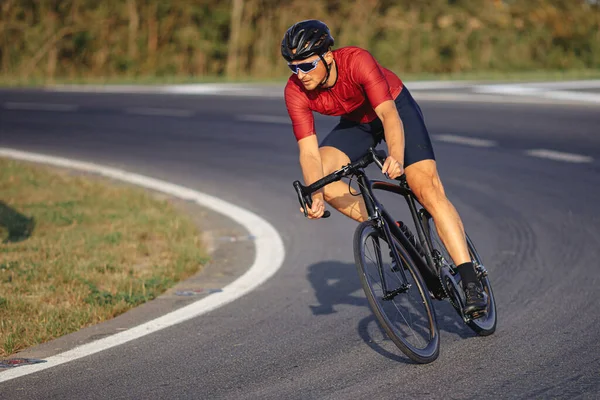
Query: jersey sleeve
[(370, 76), (303, 121)]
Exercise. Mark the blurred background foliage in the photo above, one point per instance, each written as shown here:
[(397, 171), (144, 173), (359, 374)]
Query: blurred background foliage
[(77, 39)]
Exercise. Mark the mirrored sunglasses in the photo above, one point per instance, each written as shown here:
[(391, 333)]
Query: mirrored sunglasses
[(304, 67)]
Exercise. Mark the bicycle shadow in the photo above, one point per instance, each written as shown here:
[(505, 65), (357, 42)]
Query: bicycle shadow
[(336, 283), (19, 227)]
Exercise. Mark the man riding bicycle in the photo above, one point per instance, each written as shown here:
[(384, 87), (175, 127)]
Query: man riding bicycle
[(374, 105)]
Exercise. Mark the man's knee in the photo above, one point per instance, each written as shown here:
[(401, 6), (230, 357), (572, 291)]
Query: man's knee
[(332, 159), (425, 182)]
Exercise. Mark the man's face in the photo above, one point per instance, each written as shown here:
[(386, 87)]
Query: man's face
[(313, 78)]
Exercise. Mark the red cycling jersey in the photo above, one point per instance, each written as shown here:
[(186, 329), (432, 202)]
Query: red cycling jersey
[(362, 84)]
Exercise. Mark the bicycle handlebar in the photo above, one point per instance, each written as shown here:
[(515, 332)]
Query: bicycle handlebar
[(305, 199), (305, 192)]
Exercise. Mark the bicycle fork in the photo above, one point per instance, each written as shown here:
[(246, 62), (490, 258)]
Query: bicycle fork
[(403, 288)]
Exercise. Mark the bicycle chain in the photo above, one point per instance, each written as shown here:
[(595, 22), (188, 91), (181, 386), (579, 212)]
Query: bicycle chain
[(444, 288), (448, 294), (439, 275)]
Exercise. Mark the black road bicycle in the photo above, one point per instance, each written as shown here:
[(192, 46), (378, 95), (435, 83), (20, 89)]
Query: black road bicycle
[(401, 273)]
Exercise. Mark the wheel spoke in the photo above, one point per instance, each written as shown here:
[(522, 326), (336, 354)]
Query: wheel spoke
[(407, 316)]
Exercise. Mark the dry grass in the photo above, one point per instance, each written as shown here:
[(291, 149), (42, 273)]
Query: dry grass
[(75, 251)]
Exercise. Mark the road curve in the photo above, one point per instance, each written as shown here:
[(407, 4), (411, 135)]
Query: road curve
[(525, 178)]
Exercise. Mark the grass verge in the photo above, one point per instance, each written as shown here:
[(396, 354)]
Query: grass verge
[(75, 251)]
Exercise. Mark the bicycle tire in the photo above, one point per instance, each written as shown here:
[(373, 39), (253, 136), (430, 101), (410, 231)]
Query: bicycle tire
[(485, 325), (425, 325)]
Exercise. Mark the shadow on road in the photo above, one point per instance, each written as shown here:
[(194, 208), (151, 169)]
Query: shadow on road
[(19, 227), (337, 283)]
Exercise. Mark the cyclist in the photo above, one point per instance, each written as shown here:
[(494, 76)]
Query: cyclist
[(374, 105)]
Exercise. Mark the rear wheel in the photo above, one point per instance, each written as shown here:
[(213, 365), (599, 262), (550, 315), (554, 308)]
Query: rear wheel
[(408, 317), (485, 325)]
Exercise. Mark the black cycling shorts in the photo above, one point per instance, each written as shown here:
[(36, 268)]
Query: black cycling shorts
[(354, 139)]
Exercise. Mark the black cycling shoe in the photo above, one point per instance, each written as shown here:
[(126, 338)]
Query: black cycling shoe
[(476, 300)]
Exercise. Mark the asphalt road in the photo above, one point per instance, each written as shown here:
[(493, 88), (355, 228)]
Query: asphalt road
[(308, 332)]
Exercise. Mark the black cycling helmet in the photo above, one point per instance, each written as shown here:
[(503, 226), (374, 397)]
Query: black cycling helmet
[(310, 37)]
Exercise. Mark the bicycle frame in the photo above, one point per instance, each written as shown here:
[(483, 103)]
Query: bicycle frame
[(377, 212)]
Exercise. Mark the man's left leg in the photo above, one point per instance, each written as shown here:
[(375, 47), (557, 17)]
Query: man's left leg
[(423, 179)]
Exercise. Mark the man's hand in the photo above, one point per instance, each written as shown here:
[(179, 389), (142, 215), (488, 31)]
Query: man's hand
[(317, 210), (392, 167)]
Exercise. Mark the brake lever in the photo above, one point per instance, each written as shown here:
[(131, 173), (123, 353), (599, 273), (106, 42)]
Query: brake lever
[(300, 192), (326, 213), (306, 200), (379, 163), (401, 178)]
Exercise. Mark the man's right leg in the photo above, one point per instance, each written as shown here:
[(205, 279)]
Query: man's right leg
[(337, 194), (348, 141)]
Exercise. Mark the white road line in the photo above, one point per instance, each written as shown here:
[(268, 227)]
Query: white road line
[(468, 141), (579, 84), (559, 156), (40, 106), (236, 89), (507, 89), (434, 85), (482, 98), (270, 119), (162, 112), (572, 95), (269, 257), (530, 90)]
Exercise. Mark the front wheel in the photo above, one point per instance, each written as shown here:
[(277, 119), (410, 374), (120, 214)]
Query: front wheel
[(407, 316)]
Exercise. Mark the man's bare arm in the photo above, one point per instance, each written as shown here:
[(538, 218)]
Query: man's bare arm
[(394, 136)]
